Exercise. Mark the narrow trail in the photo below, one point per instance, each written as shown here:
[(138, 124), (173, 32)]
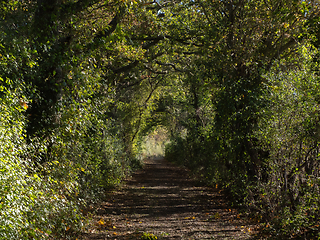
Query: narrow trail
[(162, 200)]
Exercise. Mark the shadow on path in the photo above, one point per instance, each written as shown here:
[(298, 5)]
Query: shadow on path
[(162, 200)]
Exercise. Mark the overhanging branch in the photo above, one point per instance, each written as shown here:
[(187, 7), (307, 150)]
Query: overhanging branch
[(111, 26), (170, 65)]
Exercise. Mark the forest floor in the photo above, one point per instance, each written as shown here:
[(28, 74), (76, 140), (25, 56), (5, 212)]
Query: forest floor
[(161, 201)]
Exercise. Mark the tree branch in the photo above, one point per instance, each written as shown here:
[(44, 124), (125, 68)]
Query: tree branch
[(111, 26), (171, 65), (76, 7), (126, 68)]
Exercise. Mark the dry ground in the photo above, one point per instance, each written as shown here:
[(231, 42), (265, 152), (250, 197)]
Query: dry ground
[(162, 201)]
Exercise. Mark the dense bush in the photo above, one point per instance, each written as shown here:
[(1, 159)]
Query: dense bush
[(45, 184), (283, 189), (288, 131), (31, 204)]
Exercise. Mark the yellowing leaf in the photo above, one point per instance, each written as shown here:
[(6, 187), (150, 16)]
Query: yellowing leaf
[(23, 104), (101, 222)]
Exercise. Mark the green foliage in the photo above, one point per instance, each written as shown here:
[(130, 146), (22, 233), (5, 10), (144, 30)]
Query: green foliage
[(289, 134), (32, 206), (282, 188), (13, 201), (85, 84), (148, 236), (62, 143), (260, 141)]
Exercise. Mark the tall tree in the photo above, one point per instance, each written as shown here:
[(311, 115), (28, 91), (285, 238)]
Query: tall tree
[(242, 40)]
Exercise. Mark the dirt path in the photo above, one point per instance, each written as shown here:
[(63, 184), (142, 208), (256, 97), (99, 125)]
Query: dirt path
[(161, 200)]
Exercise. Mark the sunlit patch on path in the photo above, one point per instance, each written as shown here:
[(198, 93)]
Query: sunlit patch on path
[(162, 202)]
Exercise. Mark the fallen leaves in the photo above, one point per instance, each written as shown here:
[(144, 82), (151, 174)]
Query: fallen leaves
[(246, 229), (101, 222), (149, 209)]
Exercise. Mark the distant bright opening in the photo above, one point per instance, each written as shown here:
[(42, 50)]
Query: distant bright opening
[(154, 143)]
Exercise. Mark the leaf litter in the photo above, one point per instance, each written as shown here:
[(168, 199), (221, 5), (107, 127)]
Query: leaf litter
[(161, 201)]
